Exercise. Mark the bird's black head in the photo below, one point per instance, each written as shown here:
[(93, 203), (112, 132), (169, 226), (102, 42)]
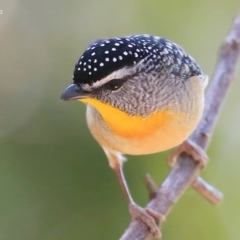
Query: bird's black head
[(106, 56), (111, 62)]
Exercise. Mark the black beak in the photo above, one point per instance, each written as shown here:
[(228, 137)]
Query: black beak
[(73, 92)]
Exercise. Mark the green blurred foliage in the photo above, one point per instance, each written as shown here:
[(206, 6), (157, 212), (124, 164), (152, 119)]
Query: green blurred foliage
[(55, 182)]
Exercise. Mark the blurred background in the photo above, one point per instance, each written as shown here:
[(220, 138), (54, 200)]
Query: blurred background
[(55, 182)]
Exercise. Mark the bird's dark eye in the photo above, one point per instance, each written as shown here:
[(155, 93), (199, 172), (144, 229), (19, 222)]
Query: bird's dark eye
[(114, 84)]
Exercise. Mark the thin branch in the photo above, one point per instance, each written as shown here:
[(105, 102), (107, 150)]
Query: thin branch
[(186, 169), (207, 191)]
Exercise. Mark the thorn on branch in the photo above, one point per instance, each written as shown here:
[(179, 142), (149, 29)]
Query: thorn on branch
[(151, 186)]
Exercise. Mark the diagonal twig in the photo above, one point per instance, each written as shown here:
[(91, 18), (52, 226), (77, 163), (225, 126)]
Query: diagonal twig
[(186, 170)]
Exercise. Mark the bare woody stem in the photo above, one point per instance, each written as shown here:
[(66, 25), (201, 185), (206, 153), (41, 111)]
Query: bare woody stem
[(186, 170)]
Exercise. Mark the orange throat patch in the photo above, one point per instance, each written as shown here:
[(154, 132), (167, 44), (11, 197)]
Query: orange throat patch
[(128, 126)]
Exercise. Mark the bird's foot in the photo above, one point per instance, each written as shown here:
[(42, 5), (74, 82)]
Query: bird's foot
[(192, 149), (147, 216)]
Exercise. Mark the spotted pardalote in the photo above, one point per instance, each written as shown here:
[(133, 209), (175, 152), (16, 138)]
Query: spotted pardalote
[(144, 94)]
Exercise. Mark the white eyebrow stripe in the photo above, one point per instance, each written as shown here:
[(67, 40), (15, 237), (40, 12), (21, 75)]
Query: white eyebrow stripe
[(118, 74)]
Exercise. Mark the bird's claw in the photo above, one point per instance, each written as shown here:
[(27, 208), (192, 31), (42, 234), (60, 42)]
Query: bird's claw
[(192, 149), (149, 217)]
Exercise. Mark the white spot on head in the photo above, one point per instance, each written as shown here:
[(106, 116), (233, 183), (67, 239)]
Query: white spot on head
[(107, 41), (95, 69), (79, 69), (117, 44), (102, 45), (89, 73), (84, 63), (165, 51), (186, 68), (149, 48), (82, 57), (136, 55), (80, 63), (169, 45), (95, 60), (106, 52), (101, 64), (84, 69), (125, 53), (129, 45), (89, 60), (179, 61), (89, 66), (93, 53), (107, 59), (92, 47), (114, 59), (120, 57), (114, 49), (137, 50)]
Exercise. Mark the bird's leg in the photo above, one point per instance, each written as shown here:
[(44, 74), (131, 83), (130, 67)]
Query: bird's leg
[(192, 149), (118, 169), (147, 216)]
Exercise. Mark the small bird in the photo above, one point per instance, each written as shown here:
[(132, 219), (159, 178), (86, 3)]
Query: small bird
[(144, 95)]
